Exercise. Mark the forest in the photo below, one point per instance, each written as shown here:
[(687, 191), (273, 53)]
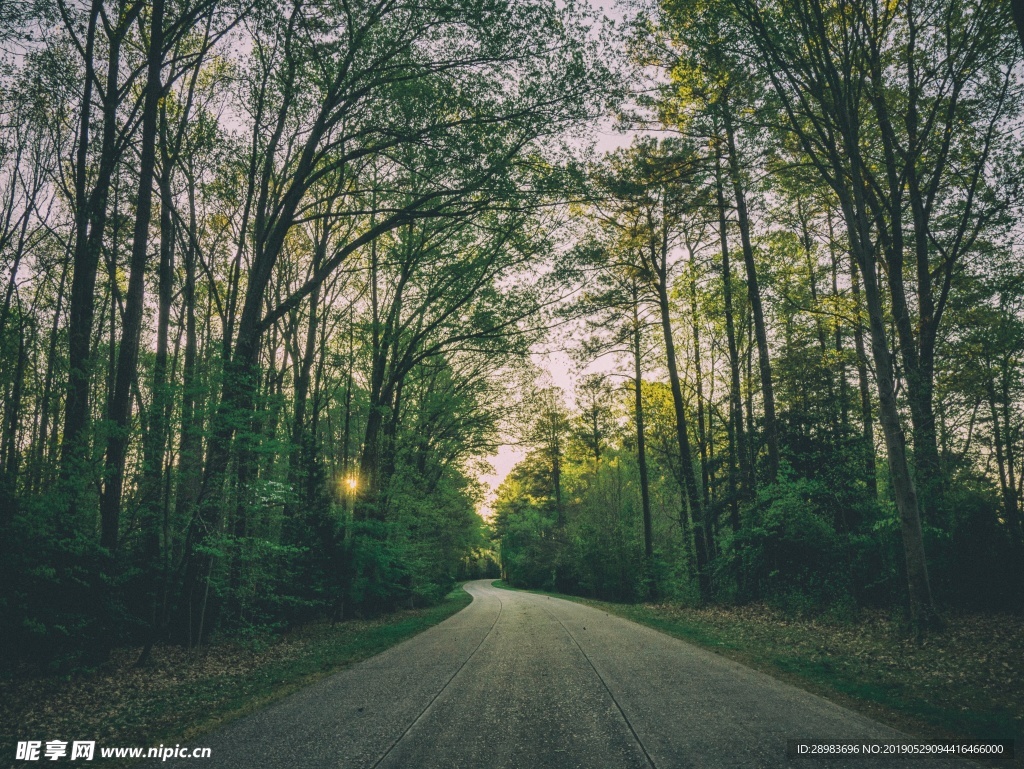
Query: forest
[(275, 274)]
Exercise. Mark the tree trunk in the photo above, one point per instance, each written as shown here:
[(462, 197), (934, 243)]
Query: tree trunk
[(922, 607), (346, 435), (12, 414), (1006, 487), (641, 447), (154, 441), (867, 419), (128, 353), (844, 417), (90, 222), (702, 430), (771, 435), (190, 440), (1018, 18), (303, 439), (43, 462), (691, 492), (738, 455), (1011, 505)]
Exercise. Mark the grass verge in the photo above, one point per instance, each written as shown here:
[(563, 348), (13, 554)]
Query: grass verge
[(182, 696), (964, 683)]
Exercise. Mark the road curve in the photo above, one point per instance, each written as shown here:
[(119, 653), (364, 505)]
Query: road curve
[(523, 681)]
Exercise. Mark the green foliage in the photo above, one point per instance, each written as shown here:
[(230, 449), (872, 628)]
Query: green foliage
[(524, 522), (360, 234), (334, 279), (789, 551), (57, 607), (976, 558), (598, 549)]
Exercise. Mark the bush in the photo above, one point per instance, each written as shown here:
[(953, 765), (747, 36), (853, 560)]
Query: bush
[(789, 551), (61, 605)]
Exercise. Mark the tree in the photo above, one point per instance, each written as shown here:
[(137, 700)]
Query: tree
[(615, 317), (826, 96), (404, 97), (645, 183)]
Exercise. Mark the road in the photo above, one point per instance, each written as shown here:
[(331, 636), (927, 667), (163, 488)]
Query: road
[(523, 681)]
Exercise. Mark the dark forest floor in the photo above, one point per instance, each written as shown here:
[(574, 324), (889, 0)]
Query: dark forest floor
[(181, 695), (964, 682)]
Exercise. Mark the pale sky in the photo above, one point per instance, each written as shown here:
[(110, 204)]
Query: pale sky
[(557, 364), (560, 368)]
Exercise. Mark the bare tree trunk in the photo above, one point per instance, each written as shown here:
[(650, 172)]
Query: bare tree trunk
[(155, 439), (1006, 488), (86, 263), (844, 417), (1018, 17), (302, 437), (922, 606), (1011, 504), (346, 435), (128, 352), (641, 447), (692, 495), (90, 223), (43, 458), (867, 419), (702, 432), (738, 455), (190, 436), (9, 454), (771, 435)]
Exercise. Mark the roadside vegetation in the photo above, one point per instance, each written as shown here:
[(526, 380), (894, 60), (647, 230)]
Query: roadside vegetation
[(180, 695), (266, 279)]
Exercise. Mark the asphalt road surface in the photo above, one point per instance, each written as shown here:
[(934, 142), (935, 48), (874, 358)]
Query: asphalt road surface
[(522, 681)]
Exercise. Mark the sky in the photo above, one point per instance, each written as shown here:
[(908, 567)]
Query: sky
[(557, 364), (563, 375)]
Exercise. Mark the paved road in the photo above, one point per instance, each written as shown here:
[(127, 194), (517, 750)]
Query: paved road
[(521, 681)]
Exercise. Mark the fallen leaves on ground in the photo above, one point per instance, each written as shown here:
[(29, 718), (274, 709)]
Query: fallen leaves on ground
[(120, 704), (974, 666)]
